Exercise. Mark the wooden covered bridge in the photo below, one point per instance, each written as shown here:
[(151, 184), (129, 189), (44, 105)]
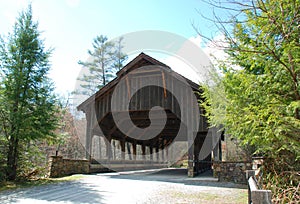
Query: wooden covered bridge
[(142, 114)]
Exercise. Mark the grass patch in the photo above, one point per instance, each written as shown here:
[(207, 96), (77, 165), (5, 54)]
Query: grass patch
[(181, 196), (69, 178), (242, 197), (30, 183), (176, 196)]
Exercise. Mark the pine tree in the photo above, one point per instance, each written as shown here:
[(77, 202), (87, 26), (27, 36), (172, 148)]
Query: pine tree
[(28, 110), (105, 60), (119, 56)]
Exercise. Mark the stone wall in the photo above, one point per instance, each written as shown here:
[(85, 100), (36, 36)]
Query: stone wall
[(232, 171), (59, 167)]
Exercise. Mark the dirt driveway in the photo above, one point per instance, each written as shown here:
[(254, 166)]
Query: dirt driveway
[(155, 186)]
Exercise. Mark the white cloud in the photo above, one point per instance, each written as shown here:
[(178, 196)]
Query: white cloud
[(215, 49), (178, 65), (190, 60), (64, 71), (196, 40)]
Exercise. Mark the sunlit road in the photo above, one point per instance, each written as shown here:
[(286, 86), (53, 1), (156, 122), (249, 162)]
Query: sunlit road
[(137, 187)]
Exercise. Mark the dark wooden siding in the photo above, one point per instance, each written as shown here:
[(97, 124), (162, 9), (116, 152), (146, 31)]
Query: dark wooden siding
[(159, 93)]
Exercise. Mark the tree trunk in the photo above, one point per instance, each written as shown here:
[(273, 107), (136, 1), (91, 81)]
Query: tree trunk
[(12, 158), (297, 116), (103, 74)]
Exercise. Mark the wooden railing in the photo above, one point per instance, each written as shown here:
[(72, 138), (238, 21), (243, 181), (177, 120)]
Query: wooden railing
[(256, 195), (105, 165)]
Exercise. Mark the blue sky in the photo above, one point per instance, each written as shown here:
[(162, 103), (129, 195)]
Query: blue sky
[(69, 26)]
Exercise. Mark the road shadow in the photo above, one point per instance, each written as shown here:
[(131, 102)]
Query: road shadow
[(66, 192), (175, 175)]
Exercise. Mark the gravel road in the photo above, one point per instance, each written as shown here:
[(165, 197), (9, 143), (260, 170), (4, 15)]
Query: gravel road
[(164, 186)]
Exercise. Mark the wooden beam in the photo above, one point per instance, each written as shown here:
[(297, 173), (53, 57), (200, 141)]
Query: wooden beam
[(164, 83), (128, 87)]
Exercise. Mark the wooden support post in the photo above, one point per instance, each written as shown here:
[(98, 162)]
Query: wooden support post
[(144, 152), (114, 149), (220, 150), (164, 150), (199, 141), (100, 155), (88, 144), (157, 153), (151, 152), (216, 141), (196, 155), (108, 148), (134, 150), (167, 152), (88, 138), (128, 150), (191, 170), (191, 154), (122, 144)]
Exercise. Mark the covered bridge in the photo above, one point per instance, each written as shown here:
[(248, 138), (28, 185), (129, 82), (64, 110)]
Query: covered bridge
[(145, 111)]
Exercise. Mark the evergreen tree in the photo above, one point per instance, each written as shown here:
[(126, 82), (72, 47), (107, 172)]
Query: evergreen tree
[(28, 110), (261, 99), (105, 60), (119, 56)]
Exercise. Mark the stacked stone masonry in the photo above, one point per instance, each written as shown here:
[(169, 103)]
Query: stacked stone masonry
[(224, 171), (232, 171), (63, 167)]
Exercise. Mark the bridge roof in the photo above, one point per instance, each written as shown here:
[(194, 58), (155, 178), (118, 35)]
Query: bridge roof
[(141, 60)]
